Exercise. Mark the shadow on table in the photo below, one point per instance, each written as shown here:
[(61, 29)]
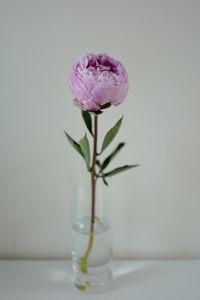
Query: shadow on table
[(126, 273)]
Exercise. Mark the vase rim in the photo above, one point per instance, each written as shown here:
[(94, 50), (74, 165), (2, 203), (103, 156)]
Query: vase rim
[(82, 178)]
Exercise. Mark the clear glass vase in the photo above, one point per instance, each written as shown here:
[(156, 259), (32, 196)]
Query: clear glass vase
[(91, 240)]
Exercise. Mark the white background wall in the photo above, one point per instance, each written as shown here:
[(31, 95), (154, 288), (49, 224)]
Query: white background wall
[(156, 207)]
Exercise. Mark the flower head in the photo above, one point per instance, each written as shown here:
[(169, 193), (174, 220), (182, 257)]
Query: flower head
[(98, 81)]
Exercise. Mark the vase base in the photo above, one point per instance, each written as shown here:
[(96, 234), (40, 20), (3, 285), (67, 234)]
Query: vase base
[(92, 284)]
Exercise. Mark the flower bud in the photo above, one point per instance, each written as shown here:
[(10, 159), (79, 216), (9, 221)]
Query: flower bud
[(98, 81)]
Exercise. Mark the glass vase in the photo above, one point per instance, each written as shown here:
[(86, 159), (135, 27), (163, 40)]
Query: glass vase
[(91, 235)]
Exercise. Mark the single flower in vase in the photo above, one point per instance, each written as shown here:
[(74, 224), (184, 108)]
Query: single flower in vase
[(97, 82)]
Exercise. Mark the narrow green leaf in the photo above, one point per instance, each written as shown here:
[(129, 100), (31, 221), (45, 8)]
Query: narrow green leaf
[(120, 169), (75, 145), (85, 148), (104, 180), (112, 155), (104, 106), (111, 134), (88, 120), (98, 163), (94, 113)]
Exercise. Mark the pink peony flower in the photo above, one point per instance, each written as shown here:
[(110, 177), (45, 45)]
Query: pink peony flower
[(98, 80)]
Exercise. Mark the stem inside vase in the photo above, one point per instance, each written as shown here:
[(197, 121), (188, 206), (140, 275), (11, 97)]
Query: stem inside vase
[(84, 259)]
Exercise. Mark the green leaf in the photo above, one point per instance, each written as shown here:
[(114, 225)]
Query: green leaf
[(120, 169), (88, 120), (98, 163), (111, 134), (85, 148), (74, 143), (104, 180), (94, 113), (104, 106), (112, 155)]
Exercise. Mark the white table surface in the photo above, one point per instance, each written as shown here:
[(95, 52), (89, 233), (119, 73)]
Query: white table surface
[(139, 280)]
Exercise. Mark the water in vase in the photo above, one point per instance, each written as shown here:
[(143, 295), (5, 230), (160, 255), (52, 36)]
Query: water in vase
[(99, 261)]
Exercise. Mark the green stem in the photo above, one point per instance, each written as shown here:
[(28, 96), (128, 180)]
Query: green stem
[(84, 259)]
